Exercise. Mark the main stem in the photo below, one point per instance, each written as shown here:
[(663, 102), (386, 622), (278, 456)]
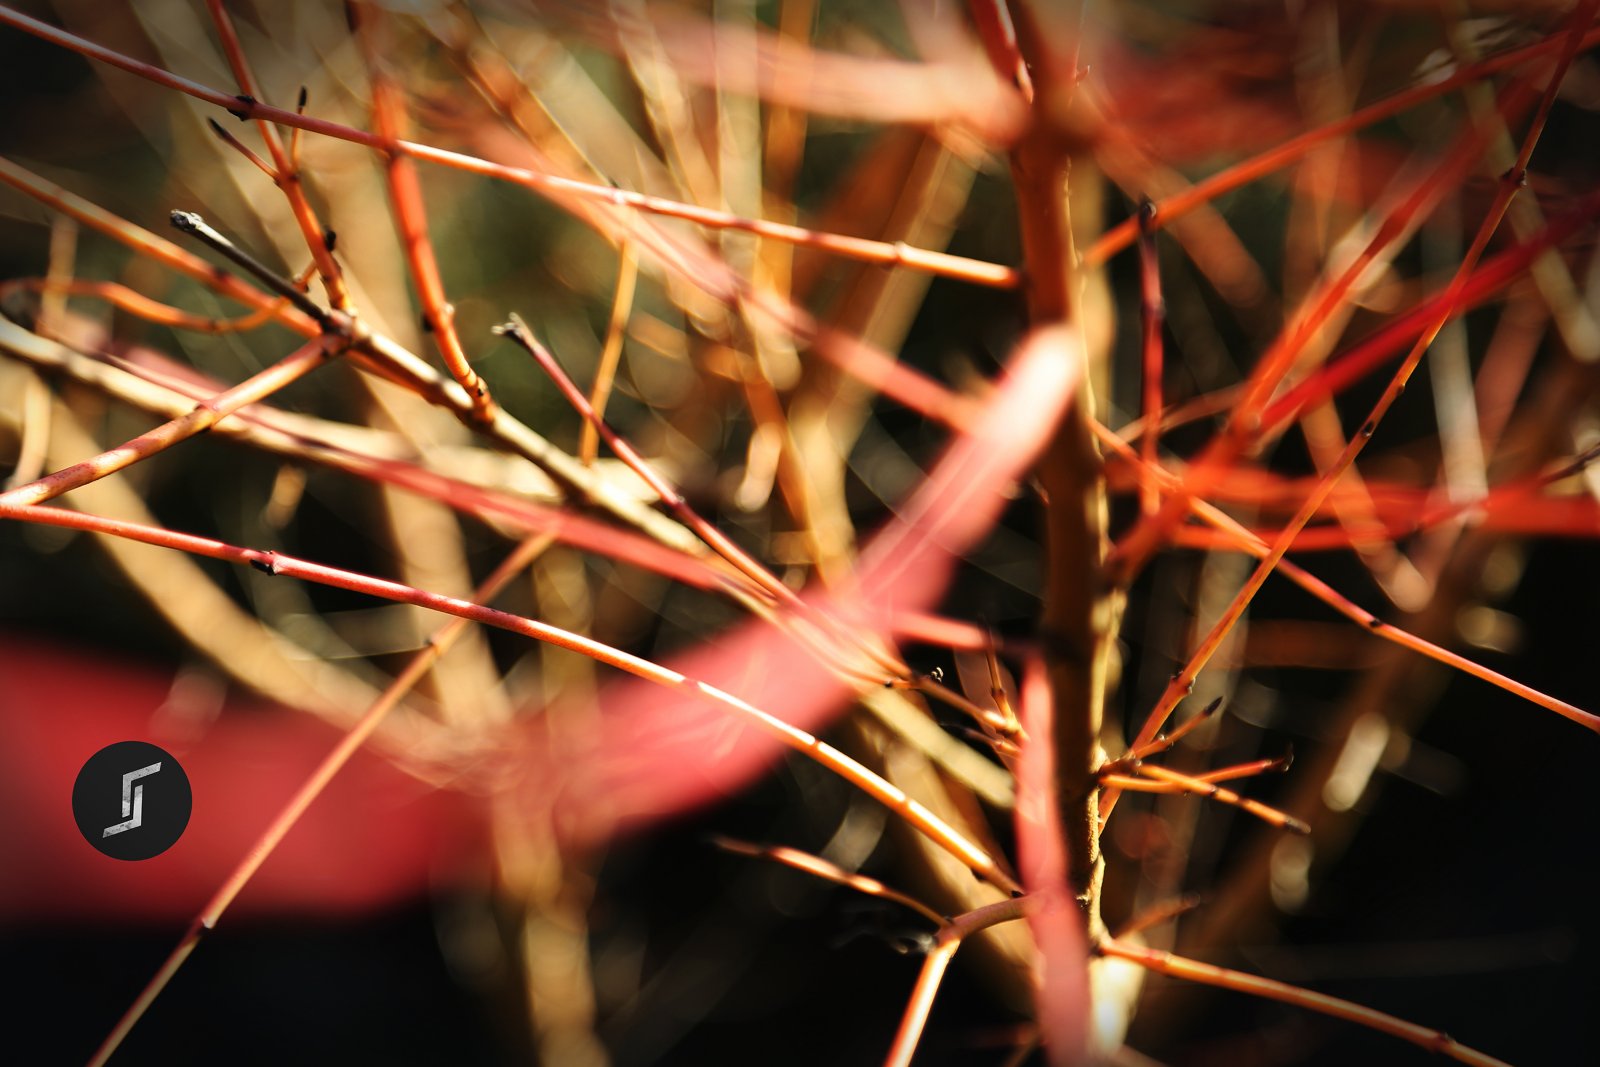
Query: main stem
[(1079, 611)]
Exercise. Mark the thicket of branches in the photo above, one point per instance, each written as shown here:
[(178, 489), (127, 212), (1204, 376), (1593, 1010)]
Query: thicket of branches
[(914, 401)]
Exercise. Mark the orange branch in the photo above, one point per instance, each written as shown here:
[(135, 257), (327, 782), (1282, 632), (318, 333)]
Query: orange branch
[(411, 217), (1208, 974), (285, 172)]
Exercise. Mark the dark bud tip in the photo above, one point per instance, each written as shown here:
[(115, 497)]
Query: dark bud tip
[(1211, 708), (300, 101), (1375, 623), (266, 565), (216, 127), (330, 239), (187, 221), (427, 323)]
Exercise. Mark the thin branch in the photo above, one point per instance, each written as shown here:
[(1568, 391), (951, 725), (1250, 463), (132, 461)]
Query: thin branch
[(1190, 784), (286, 819), (1296, 148), (137, 304), (1245, 422), (1245, 541), (202, 417), (276, 563), (381, 458), (285, 171), (1508, 187), (611, 351), (1194, 971), (946, 943), (411, 218), (373, 351), (821, 868), (1152, 314), (192, 224), (880, 253)]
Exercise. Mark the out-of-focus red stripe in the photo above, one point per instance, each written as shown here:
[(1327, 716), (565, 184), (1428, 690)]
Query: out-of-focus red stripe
[(377, 836)]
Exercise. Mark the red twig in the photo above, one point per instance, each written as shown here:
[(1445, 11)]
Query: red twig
[(1244, 422), (1296, 148), (205, 415), (1510, 183), (285, 171), (1247, 542), (519, 332), (411, 218), (1151, 316)]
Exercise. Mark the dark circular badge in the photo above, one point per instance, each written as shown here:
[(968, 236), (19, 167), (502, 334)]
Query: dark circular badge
[(132, 800)]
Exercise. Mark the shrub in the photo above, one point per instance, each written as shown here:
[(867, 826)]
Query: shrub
[(986, 391)]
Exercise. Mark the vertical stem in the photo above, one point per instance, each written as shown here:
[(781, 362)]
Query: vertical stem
[(1079, 613), (1151, 314)]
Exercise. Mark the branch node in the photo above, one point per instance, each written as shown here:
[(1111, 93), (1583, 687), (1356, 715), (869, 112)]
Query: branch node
[(243, 113)]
